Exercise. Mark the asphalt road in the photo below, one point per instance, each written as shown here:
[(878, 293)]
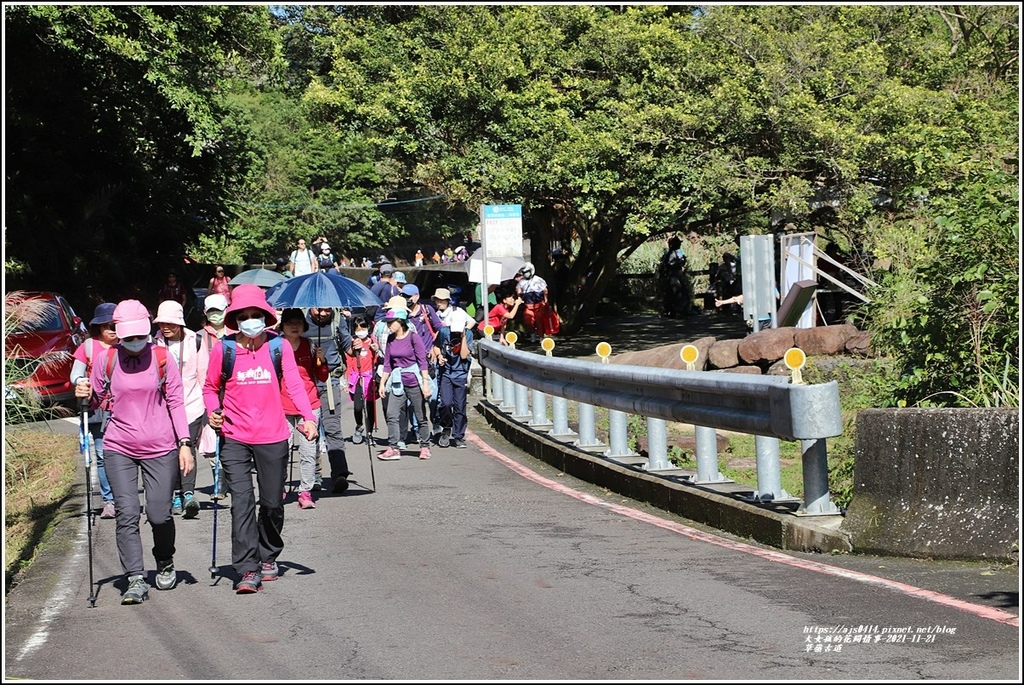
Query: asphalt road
[(484, 564)]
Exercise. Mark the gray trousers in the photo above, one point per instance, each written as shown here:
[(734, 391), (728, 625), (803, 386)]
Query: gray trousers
[(255, 540), (331, 422), (158, 479), (188, 483), (396, 406), (306, 450)]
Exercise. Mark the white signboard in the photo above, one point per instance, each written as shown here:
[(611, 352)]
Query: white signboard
[(503, 230)]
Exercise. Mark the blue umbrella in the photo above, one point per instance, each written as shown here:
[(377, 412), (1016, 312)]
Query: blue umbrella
[(321, 289), (264, 278)]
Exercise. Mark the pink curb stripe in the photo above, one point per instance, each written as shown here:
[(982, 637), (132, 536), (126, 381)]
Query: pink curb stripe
[(990, 613)]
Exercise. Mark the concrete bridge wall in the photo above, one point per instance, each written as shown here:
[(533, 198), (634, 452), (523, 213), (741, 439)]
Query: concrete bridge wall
[(936, 483)]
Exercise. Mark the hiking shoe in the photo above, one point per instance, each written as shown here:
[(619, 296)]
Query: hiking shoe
[(318, 484), (390, 454), (137, 592), (249, 583), (338, 485), (166, 577), (108, 511), (191, 506), (176, 505), (460, 443), (357, 437), (306, 501), (445, 438), (424, 453), (268, 571)]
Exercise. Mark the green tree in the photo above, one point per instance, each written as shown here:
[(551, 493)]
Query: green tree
[(119, 148)]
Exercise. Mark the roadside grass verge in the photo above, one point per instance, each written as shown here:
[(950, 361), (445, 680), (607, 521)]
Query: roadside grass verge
[(40, 470)]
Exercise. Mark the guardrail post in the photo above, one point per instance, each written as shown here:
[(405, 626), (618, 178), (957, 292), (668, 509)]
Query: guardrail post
[(707, 456), (815, 466), (493, 381), (657, 447), (588, 436), (522, 402), (769, 478), (560, 414), (508, 395), (539, 407), (617, 435)]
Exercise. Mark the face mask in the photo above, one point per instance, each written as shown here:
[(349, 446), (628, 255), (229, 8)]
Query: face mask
[(216, 318), (252, 327), (135, 346), (361, 334)]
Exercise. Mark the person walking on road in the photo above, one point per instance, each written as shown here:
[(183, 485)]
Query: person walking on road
[(102, 336), (534, 291), (147, 431), (455, 345), (212, 332), (302, 261), (184, 346), (246, 407), (219, 284), (329, 335), (293, 325), (404, 356)]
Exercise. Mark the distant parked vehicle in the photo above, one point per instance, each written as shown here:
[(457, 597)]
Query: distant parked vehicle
[(39, 352)]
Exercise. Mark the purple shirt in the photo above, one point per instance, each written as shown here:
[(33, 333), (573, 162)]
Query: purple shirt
[(140, 424), (403, 352)]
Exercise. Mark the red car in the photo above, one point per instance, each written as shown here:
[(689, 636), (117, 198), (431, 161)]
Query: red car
[(40, 357)]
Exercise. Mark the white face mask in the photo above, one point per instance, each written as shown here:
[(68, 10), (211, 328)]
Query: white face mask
[(135, 346), (215, 317), (252, 327), (361, 334)]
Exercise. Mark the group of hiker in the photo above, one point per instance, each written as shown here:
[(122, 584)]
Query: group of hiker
[(241, 392)]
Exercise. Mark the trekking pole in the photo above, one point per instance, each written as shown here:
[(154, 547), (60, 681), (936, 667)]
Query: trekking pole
[(371, 424), (83, 446), (216, 503)]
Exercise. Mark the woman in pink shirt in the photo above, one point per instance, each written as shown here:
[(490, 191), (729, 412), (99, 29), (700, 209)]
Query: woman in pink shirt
[(183, 345), (219, 284), (248, 411), (147, 431)]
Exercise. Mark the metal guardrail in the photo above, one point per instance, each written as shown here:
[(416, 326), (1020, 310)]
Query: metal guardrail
[(769, 407)]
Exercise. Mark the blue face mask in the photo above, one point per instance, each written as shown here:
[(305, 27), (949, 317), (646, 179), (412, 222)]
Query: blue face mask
[(135, 346), (252, 327)]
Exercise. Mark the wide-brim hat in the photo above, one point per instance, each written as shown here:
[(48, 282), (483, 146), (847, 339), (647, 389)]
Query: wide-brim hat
[(400, 277), (170, 311), (131, 318), (442, 294), (396, 302), (245, 296), (104, 314), (396, 314)]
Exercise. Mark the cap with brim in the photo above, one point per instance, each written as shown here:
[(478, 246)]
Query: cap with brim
[(104, 314), (386, 268), (410, 289), (215, 301), (245, 296), (325, 247), (442, 294), (170, 311), (131, 318)]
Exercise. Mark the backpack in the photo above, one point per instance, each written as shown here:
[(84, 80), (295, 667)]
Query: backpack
[(228, 362), (325, 261), (161, 369)]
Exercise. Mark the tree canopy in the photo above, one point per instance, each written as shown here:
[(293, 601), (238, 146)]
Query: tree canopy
[(137, 133)]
